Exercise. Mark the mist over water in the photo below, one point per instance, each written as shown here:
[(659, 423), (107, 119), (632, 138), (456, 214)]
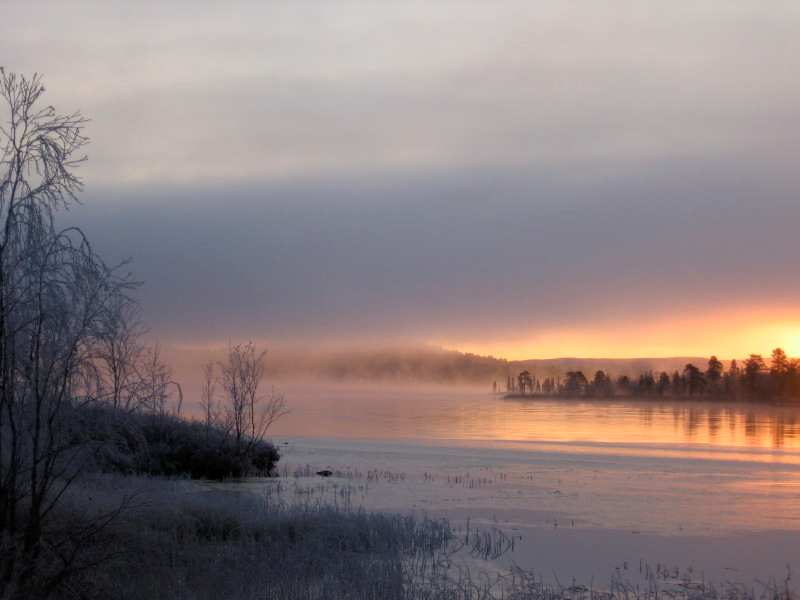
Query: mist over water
[(466, 415)]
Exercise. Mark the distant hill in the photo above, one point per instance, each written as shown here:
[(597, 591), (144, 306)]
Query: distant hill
[(433, 365), (420, 364)]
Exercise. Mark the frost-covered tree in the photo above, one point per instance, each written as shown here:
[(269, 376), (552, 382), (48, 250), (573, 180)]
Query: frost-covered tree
[(56, 294), (249, 412)]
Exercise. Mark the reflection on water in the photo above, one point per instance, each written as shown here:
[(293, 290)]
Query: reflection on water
[(698, 468), (458, 414)]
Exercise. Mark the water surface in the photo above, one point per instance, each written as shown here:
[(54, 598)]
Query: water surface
[(461, 415), (589, 484)]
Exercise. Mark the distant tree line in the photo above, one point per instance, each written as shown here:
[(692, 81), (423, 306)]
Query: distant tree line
[(753, 379)]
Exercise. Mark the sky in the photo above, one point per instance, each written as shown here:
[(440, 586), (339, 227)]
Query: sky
[(526, 179)]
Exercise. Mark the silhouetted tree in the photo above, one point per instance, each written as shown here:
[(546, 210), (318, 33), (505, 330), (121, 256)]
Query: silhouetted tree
[(663, 383), (754, 368), (160, 393), (647, 384), (576, 383), (119, 356), (792, 383), (754, 381), (208, 399), (678, 384), (56, 300), (525, 382), (602, 385), (695, 381), (779, 371), (714, 371), (249, 413), (624, 384), (779, 363), (731, 379)]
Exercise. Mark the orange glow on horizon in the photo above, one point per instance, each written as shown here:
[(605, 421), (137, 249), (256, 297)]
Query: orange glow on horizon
[(726, 334), (733, 334)]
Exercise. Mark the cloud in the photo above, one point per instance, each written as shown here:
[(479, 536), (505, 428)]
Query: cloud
[(452, 171), (453, 256), (188, 92)]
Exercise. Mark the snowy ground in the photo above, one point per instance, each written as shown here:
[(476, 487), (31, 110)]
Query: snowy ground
[(573, 510)]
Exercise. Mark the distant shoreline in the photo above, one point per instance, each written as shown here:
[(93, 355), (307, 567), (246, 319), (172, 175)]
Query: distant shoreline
[(665, 398)]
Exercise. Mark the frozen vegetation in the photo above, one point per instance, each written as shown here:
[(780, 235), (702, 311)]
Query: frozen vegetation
[(179, 539)]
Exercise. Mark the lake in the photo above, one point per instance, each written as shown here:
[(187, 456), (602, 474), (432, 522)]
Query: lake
[(589, 485), (465, 414)]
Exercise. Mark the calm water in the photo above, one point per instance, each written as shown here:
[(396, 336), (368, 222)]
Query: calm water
[(588, 484), (466, 416)]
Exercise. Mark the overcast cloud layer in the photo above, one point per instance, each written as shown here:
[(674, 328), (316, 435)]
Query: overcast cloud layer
[(449, 172)]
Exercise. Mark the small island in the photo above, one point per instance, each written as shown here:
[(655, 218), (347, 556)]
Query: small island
[(754, 381)]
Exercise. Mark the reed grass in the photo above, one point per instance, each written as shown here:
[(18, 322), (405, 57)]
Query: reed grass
[(178, 539)]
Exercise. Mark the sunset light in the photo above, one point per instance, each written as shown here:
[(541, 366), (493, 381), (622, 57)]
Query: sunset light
[(734, 334), (372, 300)]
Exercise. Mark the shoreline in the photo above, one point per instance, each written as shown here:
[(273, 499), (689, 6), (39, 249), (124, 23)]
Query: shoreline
[(718, 400)]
